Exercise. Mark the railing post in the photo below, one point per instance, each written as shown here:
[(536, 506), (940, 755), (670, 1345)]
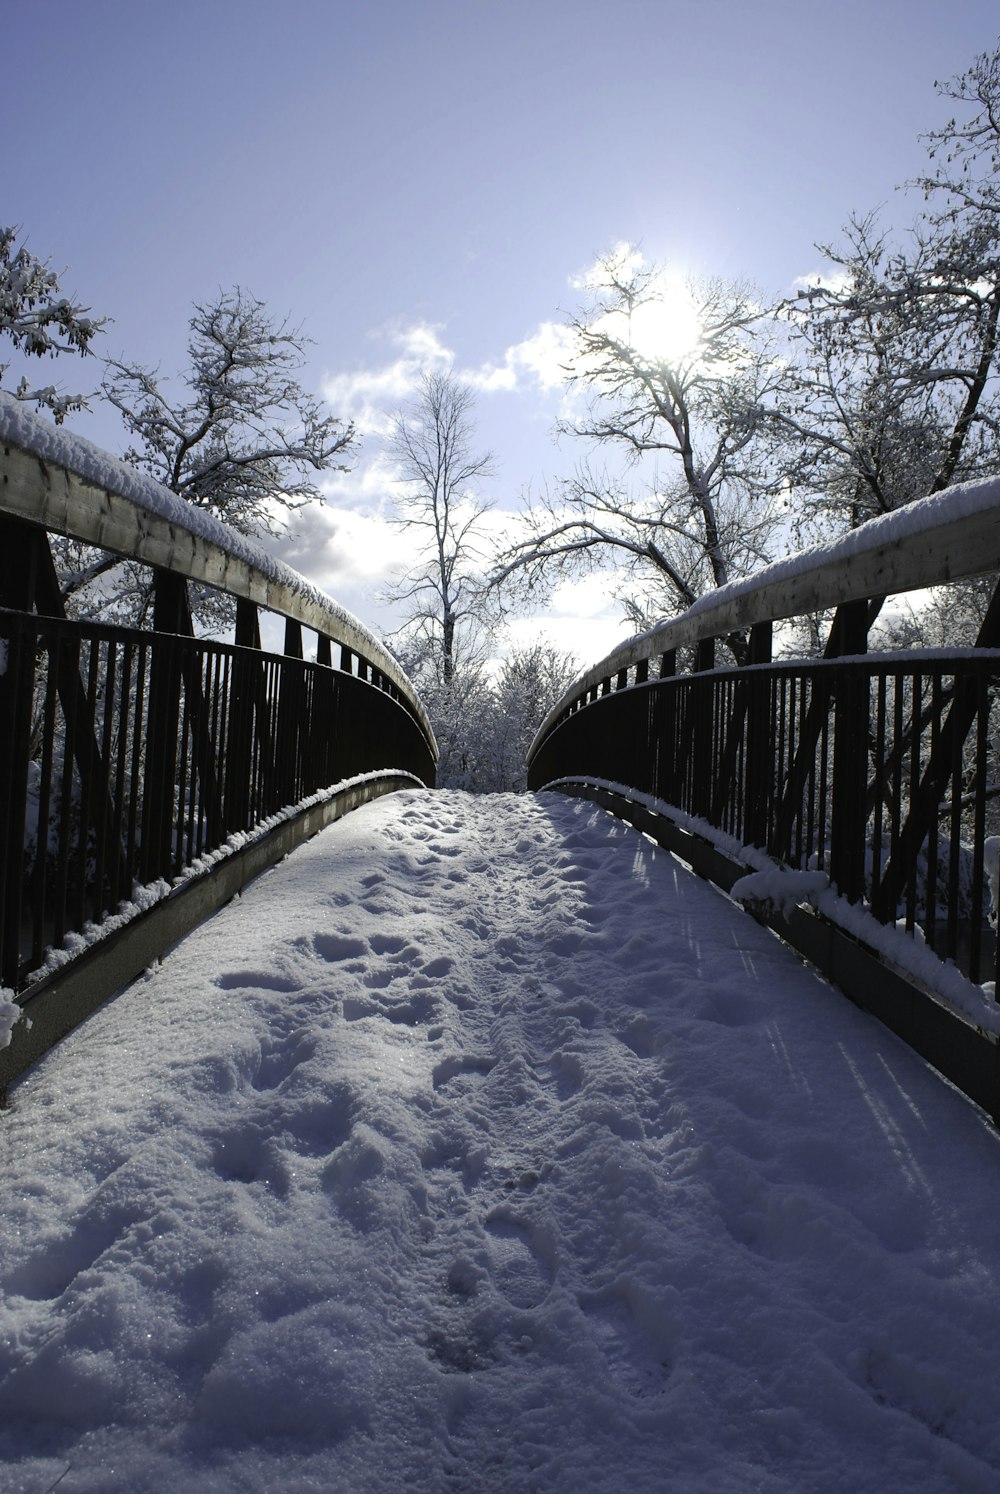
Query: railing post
[(247, 624), (293, 638), (759, 770), (849, 806), (698, 746), (704, 657), (16, 694), (171, 616), (761, 643), (18, 552), (19, 558)]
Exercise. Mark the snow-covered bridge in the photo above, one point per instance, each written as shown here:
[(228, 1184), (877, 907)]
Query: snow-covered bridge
[(145, 776), (482, 1146)]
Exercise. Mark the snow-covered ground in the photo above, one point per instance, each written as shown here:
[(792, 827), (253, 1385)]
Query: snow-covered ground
[(480, 1146)]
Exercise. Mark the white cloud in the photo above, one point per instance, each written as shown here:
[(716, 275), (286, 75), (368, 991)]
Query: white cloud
[(586, 639), (371, 485), (540, 359), (835, 281), (369, 395), (341, 549)]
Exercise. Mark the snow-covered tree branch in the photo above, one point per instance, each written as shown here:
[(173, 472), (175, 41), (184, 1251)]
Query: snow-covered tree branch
[(691, 417), (432, 447), (40, 322), (895, 349), (239, 436), (243, 438)]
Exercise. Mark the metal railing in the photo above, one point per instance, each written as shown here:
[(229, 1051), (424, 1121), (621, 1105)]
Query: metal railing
[(131, 758), (880, 770)]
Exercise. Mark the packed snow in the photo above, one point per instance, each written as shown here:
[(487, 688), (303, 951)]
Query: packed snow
[(784, 887), (147, 895), (481, 1146)]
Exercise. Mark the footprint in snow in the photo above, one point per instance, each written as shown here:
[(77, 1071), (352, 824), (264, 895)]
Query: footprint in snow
[(354, 1008), (336, 947), (244, 1156), (387, 944), (255, 980), (565, 1072), (458, 1065), (411, 1013), (642, 1037), (725, 1006), (279, 1060), (377, 980), (517, 1269), (637, 1356), (46, 1275)]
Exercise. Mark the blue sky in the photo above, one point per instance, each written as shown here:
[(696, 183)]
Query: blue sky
[(424, 179)]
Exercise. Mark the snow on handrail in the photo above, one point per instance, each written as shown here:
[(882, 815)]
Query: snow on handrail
[(59, 479), (949, 536)]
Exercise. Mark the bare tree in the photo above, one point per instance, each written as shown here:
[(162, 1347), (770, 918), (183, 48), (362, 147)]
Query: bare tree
[(966, 152), (693, 422), (40, 321), (433, 448), (241, 438), (896, 393), (893, 390), (244, 440)]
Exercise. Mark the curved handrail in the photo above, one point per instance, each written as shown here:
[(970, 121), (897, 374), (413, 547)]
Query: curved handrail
[(946, 537), (60, 480)]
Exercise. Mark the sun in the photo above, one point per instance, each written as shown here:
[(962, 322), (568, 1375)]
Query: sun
[(665, 327)]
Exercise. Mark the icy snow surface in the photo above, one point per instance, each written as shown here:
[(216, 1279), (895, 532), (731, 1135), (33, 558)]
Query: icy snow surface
[(480, 1146)]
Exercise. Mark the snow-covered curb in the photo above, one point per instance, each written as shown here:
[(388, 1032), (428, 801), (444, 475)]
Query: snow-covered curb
[(10, 1013), (784, 888), (147, 896)]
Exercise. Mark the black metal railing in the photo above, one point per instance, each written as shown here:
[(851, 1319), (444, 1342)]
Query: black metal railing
[(130, 759), (130, 756), (881, 770), (881, 773)]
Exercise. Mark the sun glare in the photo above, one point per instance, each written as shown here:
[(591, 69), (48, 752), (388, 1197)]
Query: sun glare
[(667, 327)]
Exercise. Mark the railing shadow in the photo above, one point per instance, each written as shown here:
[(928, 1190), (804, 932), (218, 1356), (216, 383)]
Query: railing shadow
[(873, 776)]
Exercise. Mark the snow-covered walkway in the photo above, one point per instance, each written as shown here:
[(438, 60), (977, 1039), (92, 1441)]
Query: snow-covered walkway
[(480, 1146)]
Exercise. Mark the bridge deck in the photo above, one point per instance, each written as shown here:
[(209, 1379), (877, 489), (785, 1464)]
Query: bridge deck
[(480, 1146)]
